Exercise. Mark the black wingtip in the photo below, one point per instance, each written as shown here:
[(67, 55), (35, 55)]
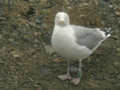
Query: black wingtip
[(107, 31)]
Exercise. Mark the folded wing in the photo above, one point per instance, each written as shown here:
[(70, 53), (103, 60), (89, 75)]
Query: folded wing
[(89, 37)]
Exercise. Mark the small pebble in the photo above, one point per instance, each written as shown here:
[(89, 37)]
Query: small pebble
[(49, 49)]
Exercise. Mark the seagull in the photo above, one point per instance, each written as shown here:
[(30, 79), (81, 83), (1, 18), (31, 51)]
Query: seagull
[(75, 42)]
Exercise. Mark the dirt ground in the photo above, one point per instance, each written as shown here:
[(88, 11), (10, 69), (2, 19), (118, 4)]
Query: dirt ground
[(27, 61)]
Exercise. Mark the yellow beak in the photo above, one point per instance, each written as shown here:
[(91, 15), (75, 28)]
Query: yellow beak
[(61, 21)]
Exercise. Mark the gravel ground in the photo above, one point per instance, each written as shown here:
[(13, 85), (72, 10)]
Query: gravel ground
[(27, 61)]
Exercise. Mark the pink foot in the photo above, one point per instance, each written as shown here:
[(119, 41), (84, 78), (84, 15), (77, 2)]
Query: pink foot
[(64, 77), (75, 81)]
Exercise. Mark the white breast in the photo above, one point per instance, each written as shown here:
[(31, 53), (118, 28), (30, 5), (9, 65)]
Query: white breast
[(64, 43)]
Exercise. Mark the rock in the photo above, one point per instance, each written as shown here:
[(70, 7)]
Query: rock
[(16, 54), (118, 49), (117, 13), (44, 71), (116, 63), (93, 83), (44, 1), (11, 39), (111, 6), (115, 37), (38, 20), (118, 76), (37, 33), (36, 41), (49, 49)]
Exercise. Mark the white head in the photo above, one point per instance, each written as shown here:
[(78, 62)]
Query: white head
[(62, 19)]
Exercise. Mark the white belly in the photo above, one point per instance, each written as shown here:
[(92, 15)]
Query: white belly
[(66, 46)]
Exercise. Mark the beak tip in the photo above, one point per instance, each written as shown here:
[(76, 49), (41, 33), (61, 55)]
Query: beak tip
[(61, 21)]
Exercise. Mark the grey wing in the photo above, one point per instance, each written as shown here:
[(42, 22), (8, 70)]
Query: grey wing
[(87, 36)]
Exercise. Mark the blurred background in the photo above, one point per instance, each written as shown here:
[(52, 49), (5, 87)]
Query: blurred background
[(27, 60)]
